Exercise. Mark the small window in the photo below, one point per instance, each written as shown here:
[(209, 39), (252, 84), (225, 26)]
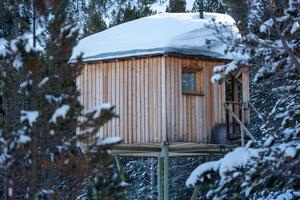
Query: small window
[(191, 81)]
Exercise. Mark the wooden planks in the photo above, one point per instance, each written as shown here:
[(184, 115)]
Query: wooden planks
[(190, 118), (148, 98)]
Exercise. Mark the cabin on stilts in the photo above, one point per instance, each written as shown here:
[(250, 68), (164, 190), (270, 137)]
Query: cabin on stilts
[(157, 72)]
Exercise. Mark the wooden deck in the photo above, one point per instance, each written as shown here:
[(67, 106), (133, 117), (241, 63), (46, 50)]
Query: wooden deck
[(175, 149)]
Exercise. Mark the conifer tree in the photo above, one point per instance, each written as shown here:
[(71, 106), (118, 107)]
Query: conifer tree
[(94, 21), (39, 140), (239, 10), (129, 11), (176, 6), (208, 6), (270, 168)]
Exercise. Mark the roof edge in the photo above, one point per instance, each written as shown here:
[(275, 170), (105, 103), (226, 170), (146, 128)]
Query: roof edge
[(123, 55)]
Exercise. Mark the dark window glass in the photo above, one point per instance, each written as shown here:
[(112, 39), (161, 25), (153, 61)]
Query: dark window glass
[(188, 81)]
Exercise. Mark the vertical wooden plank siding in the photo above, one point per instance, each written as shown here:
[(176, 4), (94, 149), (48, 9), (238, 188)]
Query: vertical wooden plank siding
[(245, 93), (149, 101), (193, 116)]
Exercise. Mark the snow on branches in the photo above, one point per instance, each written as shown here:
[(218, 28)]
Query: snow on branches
[(29, 116), (269, 170)]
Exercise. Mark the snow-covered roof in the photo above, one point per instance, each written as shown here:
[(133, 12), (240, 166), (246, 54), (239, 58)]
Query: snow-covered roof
[(182, 33)]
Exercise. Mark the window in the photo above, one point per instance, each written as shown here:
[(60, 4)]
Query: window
[(191, 81)]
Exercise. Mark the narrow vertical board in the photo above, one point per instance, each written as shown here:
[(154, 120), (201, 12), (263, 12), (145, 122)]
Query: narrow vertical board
[(138, 99), (101, 91), (168, 96), (134, 101), (245, 93), (124, 127), (163, 98), (158, 109), (105, 92), (110, 95), (146, 100), (120, 95), (173, 131), (142, 104), (177, 86), (181, 100), (152, 133), (129, 102)]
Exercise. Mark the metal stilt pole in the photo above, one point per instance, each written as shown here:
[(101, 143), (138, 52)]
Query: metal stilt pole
[(195, 193), (165, 151), (160, 178), (120, 167), (152, 169)]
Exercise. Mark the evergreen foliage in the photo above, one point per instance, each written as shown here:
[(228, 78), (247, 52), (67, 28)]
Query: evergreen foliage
[(269, 169), (176, 6), (208, 6), (129, 11), (239, 10), (94, 21), (38, 140), (14, 21)]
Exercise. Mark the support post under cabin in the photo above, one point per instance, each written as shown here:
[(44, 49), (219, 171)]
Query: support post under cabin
[(120, 167), (165, 151), (152, 169), (160, 178)]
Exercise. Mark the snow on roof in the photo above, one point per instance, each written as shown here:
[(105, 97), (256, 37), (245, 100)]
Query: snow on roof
[(183, 33)]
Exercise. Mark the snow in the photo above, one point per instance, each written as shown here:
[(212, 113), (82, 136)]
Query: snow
[(290, 152), (269, 141), (27, 37), (284, 196), (25, 84), (238, 158), (60, 112), (17, 64), (109, 140), (216, 78), (161, 6), (43, 81), (3, 50), (24, 139), (29, 116), (183, 33), (230, 67), (98, 109), (266, 25), (200, 170), (295, 27)]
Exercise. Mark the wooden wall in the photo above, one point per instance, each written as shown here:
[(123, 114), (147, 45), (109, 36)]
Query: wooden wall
[(190, 118), (148, 98)]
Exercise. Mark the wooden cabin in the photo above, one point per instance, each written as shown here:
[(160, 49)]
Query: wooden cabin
[(157, 72)]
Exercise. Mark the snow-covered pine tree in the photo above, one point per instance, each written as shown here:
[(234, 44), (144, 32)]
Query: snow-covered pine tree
[(269, 170), (176, 6), (208, 6), (94, 21), (130, 11), (239, 10), (38, 142)]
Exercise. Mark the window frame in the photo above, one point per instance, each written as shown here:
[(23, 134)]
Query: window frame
[(198, 80)]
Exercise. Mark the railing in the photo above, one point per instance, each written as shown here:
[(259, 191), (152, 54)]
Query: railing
[(235, 116), (234, 120), (232, 127)]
